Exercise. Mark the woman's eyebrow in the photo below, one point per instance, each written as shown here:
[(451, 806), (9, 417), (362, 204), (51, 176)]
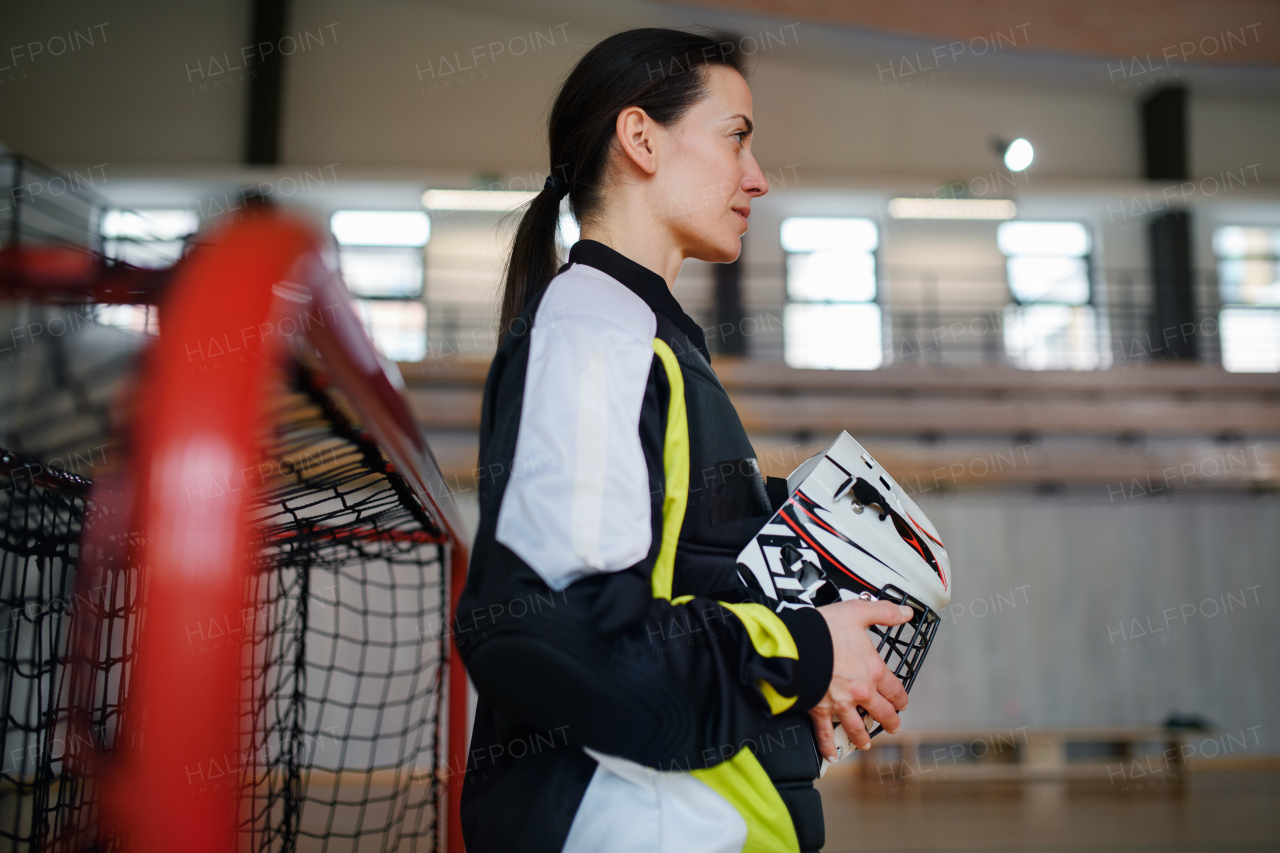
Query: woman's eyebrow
[(750, 127)]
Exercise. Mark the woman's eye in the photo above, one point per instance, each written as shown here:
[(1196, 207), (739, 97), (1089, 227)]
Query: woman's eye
[(741, 136)]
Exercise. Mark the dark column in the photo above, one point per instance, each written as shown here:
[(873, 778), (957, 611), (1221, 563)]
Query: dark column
[(1164, 144), (729, 313), (1174, 314), (1164, 135), (262, 134)]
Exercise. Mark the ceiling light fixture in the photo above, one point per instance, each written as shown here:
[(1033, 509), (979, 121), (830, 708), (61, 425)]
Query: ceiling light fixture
[(952, 208), (1017, 155), (475, 199)]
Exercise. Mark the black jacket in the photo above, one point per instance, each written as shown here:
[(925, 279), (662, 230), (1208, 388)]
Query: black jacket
[(678, 669)]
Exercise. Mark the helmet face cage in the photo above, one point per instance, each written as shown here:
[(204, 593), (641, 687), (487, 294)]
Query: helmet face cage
[(903, 647)]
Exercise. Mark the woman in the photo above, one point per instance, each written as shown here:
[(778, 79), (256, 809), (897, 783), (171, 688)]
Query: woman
[(633, 695)]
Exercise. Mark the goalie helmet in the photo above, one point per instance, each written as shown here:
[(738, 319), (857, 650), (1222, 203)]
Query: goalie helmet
[(848, 530)]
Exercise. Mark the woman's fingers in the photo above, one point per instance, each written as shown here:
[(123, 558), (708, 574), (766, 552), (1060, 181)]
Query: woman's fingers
[(844, 616), (860, 677), (853, 726), (824, 732), (884, 613), (891, 689), (882, 711)]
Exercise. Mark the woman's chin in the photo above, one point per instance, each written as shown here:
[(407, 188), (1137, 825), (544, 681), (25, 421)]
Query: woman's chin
[(724, 251)]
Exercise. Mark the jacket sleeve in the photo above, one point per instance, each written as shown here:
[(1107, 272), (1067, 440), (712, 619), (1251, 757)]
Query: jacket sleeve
[(559, 625)]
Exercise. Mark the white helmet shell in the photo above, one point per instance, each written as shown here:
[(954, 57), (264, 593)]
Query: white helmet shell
[(847, 523)]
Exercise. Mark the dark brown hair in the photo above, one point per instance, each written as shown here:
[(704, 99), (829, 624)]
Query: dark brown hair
[(661, 71)]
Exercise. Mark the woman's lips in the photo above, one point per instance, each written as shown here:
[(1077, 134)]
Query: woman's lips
[(743, 212)]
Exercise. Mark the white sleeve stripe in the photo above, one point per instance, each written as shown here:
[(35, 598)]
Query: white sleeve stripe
[(587, 504), (577, 500)]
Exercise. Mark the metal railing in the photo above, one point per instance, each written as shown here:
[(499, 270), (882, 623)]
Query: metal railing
[(923, 320), (1117, 329), (42, 206)]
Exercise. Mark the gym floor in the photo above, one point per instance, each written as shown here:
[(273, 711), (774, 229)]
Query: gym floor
[(1206, 812)]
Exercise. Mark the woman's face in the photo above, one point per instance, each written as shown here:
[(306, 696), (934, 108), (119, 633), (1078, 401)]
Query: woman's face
[(703, 195)]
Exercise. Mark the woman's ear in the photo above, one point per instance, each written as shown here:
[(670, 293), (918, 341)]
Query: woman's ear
[(637, 138)]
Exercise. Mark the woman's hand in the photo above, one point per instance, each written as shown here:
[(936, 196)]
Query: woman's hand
[(858, 675)]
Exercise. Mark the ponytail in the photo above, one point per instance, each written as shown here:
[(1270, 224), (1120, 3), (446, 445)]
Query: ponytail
[(534, 259), (662, 72)]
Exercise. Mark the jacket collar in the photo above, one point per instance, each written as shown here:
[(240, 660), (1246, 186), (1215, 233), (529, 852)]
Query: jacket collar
[(641, 281)]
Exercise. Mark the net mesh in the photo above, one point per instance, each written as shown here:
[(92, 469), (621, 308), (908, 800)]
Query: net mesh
[(42, 512), (340, 638)]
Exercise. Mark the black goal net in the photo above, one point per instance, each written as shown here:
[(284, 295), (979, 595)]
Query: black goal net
[(341, 640)]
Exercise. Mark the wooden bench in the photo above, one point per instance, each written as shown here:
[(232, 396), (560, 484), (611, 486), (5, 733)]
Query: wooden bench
[(1027, 754)]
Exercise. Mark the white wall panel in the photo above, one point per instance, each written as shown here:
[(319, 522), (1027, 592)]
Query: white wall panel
[(1079, 567)]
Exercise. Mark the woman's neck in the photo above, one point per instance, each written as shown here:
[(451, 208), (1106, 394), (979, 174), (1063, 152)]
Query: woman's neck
[(629, 229)]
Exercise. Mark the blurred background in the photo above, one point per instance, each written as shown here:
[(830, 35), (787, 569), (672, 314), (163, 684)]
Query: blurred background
[(1027, 253)]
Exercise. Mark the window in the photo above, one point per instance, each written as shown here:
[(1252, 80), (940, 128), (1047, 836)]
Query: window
[(382, 272), (380, 253), (1249, 286), (831, 320), (1047, 261), (138, 319), (147, 238), (150, 239), (398, 327), (1051, 325)]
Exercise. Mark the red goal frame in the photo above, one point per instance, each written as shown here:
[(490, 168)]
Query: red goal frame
[(195, 420)]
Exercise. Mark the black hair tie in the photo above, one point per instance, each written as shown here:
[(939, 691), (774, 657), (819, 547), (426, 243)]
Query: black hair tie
[(557, 185)]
